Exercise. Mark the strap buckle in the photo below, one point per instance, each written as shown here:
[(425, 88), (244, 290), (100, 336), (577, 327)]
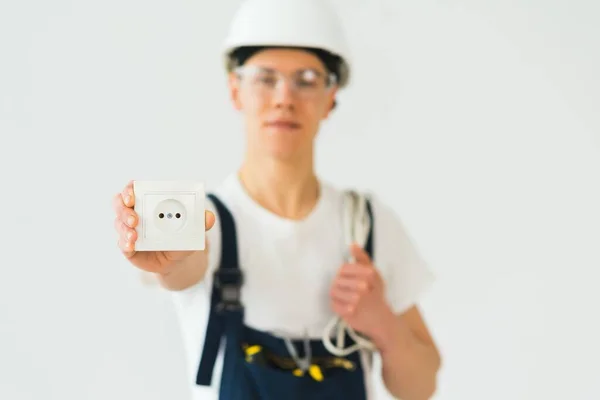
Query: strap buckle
[(229, 283)]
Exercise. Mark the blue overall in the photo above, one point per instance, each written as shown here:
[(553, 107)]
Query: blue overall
[(258, 379)]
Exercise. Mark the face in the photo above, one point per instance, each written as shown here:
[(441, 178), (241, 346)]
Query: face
[(283, 95)]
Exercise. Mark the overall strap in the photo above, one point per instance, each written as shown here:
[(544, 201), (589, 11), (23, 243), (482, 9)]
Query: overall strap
[(369, 244), (226, 311)]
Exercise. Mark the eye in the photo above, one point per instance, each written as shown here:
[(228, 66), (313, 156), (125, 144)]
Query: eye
[(308, 78), (305, 83), (266, 79)]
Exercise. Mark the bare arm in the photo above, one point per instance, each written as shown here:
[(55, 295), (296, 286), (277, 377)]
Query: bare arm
[(409, 356), (185, 273), (410, 359)]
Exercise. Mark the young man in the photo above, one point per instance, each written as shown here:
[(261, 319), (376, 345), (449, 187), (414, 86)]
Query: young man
[(275, 270)]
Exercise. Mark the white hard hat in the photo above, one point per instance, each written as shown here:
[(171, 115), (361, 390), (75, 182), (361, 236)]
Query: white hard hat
[(289, 23)]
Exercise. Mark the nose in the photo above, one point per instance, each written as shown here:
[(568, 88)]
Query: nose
[(283, 96)]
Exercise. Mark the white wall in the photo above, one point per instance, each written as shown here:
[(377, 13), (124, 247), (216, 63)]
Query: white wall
[(481, 127)]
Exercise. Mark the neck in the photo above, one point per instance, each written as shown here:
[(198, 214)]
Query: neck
[(289, 189)]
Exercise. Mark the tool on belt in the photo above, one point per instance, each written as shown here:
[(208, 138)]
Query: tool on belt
[(315, 367)]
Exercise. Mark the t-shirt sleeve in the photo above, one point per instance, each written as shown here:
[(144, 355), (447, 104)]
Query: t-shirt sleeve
[(406, 274)]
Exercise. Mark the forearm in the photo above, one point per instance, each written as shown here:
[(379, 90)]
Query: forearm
[(185, 273), (409, 365)]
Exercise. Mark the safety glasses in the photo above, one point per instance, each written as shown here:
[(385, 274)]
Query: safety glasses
[(307, 83)]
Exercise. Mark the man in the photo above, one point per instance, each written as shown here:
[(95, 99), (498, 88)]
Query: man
[(280, 227)]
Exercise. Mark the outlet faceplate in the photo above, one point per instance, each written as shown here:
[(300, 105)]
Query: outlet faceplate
[(171, 215)]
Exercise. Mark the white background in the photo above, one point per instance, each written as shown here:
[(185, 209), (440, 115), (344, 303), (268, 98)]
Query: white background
[(477, 120)]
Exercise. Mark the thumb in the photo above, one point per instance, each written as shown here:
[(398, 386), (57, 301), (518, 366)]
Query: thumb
[(209, 220), (359, 254)]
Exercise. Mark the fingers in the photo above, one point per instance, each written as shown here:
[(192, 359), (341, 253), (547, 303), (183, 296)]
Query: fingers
[(124, 230), (343, 308), (344, 301), (352, 284), (357, 271), (350, 289), (123, 205), (118, 203), (209, 220), (127, 248), (128, 196), (125, 199), (126, 219), (127, 237), (125, 224), (360, 255)]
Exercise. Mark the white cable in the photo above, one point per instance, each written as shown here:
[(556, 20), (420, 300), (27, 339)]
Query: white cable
[(356, 225)]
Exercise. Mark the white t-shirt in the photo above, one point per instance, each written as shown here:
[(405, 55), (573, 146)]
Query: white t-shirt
[(289, 267)]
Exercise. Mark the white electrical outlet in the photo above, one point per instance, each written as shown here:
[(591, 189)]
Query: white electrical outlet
[(171, 215)]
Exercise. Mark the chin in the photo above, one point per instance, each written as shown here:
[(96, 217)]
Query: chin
[(286, 152), (286, 146), (284, 155), (283, 146)]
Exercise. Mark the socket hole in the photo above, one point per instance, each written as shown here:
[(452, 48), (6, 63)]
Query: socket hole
[(177, 215), (161, 215)]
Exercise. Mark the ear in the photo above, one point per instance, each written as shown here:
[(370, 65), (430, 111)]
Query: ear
[(331, 103), (234, 91)]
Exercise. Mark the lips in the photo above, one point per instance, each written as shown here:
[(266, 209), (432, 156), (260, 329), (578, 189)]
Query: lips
[(283, 124)]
